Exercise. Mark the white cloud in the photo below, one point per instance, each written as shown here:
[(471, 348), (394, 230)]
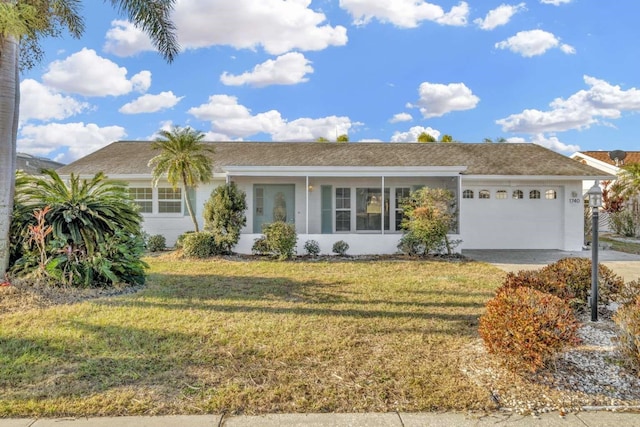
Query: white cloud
[(499, 16), (288, 69), (78, 139), (405, 13), (552, 142), (125, 39), (276, 25), (437, 99), (231, 118), (151, 103), (413, 133), (532, 43), (306, 129), (401, 117), (141, 82), (555, 2), (42, 103), (581, 110), (88, 74), (235, 120)]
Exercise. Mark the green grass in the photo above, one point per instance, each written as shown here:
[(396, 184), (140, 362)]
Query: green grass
[(254, 337), (621, 246)]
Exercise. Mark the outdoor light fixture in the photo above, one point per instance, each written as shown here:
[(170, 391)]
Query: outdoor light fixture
[(595, 202), (310, 188)]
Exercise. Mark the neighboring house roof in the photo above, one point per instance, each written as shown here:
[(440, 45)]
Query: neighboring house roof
[(34, 165), (132, 157), (603, 156)]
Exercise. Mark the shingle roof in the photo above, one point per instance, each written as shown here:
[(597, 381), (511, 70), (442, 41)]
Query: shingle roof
[(631, 158), (34, 165), (131, 157)]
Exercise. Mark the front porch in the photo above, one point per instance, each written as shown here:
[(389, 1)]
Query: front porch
[(361, 206)]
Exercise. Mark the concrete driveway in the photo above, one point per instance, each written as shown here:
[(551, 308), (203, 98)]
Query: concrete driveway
[(626, 265)]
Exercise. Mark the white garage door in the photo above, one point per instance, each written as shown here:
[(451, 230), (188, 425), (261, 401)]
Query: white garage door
[(512, 218)]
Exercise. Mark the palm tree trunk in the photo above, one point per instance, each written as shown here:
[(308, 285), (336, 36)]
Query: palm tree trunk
[(188, 203), (9, 103)]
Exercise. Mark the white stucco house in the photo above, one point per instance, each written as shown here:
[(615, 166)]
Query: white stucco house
[(510, 196)]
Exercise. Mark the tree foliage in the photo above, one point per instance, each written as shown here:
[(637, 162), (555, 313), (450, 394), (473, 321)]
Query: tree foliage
[(428, 215), (23, 25), (83, 233), (184, 160), (425, 137), (224, 215)]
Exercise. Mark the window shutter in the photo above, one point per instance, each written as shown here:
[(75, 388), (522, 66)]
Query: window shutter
[(326, 209)]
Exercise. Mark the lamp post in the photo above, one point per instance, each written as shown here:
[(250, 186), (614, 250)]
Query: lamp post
[(595, 202)]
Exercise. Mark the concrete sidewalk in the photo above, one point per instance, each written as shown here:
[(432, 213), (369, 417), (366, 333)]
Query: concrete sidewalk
[(582, 419), (623, 264)]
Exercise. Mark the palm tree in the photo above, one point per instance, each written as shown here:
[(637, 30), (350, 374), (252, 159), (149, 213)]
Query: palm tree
[(24, 23), (184, 160), (86, 211), (628, 183), (426, 137)]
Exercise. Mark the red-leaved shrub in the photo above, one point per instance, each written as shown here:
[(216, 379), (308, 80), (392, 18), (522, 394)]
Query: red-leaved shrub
[(525, 328), (628, 320), (575, 274)]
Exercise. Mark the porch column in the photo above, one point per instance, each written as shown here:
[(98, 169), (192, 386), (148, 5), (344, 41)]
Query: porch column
[(382, 207), (458, 204), (306, 226)]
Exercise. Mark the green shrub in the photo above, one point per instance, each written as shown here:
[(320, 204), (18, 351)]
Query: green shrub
[(180, 239), (628, 320), (428, 215), (525, 328), (312, 248), (200, 245), (224, 215), (340, 248), (94, 237), (411, 245), (281, 239), (624, 223), (156, 243), (260, 246), (117, 260)]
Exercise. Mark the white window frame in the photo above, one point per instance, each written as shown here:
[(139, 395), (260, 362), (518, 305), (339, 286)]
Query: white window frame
[(178, 200)]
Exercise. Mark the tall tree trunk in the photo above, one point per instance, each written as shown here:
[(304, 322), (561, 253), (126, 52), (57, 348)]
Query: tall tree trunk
[(188, 203), (9, 103)]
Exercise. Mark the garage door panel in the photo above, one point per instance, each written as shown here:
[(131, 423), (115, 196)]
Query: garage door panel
[(512, 223)]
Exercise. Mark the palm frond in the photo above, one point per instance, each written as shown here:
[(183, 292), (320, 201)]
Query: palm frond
[(153, 16)]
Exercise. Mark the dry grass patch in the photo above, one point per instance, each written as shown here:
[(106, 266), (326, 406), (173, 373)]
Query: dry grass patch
[(254, 337)]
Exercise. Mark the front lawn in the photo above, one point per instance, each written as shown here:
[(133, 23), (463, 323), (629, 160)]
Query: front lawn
[(254, 337)]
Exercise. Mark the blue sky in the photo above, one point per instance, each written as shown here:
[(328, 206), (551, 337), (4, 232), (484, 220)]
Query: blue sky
[(560, 73)]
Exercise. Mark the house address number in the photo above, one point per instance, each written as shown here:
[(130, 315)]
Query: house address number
[(575, 200)]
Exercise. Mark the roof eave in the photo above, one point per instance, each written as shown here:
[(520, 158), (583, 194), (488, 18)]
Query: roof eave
[(344, 171), (541, 177)]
